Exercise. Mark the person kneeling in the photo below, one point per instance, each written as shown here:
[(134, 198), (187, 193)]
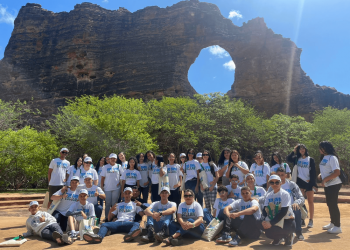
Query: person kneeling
[(125, 212), (45, 225), (159, 216), (243, 220)]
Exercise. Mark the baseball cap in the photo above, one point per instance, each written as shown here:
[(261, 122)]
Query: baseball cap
[(64, 149), (127, 189), (32, 203), (199, 155), (113, 155), (182, 154), (274, 177), (75, 178), (165, 188), (87, 159), (87, 176), (249, 174), (83, 191)]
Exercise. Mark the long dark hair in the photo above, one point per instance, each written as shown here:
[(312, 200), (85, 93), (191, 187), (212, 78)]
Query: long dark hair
[(149, 152), (210, 163), (273, 162), (175, 161), (160, 159), (222, 156), (135, 160), (76, 162), (188, 151), (232, 152), (328, 147), (118, 160), (298, 148), (138, 157), (97, 166)]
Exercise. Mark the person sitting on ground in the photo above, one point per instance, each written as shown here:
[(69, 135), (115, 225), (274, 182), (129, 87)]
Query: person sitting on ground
[(78, 211), (45, 225), (234, 191), (159, 216), (242, 216), (257, 192), (138, 201), (125, 212), (279, 207), (94, 192), (189, 221), (219, 205), (68, 196)]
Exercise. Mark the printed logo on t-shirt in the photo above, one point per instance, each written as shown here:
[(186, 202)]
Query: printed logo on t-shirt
[(207, 168), (112, 170), (36, 220), (62, 165), (172, 170), (258, 173), (99, 171), (245, 207), (236, 195), (323, 162), (72, 197), (125, 208), (188, 212), (222, 204), (156, 170), (91, 193), (83, 174), (303, 164), (85, 210), (130, 175), (144, 168), (190, 167), (276, 201)]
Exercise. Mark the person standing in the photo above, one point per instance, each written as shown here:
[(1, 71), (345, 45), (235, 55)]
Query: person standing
[(237, 167), (72, 170), (142, 166), (223, 164), (192, 169), (86, 169), (306, 179), (330, 171), (58, 173), (175, 179), (122, 160), (276, 162), (131, 176), (158, 171), (261, 170)]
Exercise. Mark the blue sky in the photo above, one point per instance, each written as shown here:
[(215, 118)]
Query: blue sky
[(319, 27)]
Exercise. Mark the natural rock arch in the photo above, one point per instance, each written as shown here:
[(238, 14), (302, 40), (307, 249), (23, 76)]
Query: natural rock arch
[(91, 50)]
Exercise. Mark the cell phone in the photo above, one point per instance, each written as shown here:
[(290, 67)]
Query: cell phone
[(313, 189)]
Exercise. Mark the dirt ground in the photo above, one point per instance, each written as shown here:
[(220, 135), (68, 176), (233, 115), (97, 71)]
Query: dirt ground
[(315, 238)]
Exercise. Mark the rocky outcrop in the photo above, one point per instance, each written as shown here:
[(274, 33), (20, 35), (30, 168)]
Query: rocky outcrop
[(52, 57)]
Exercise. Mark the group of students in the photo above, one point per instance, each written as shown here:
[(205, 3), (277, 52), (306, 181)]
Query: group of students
[(261, 198)]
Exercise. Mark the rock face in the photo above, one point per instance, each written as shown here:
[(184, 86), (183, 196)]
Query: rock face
[(90, 50)]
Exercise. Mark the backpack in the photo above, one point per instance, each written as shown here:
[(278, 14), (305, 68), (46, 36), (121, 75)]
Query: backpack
[(343, 176)]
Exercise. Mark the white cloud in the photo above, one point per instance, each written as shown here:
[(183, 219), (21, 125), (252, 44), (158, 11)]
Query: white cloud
[(5, 16), (235, 13), (231, 66), (105, 1), (216, 50)]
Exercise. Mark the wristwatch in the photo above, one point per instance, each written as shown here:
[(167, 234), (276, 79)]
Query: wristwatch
[(161, 213)]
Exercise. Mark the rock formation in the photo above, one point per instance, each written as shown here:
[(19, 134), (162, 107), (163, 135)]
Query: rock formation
[(90, 50)]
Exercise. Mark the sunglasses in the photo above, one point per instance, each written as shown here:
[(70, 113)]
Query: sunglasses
[(183, 157), (274, 183), (205, 154), (190, 153), (64, 152), (188, 195), (222, 192), (88, 163), (245, 193), (235, 181)]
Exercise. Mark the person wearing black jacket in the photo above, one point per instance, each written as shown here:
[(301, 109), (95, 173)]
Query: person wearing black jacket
[(306, 179)]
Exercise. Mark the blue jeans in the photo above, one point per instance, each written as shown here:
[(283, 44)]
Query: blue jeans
[(61, 219), (191, 184), (100, 201), (46, 233), (118, 227), (175, 196), (297, 214), (154, 191), (196, 232), (98, 210), (208, 217), (144, 192), (158, 225)]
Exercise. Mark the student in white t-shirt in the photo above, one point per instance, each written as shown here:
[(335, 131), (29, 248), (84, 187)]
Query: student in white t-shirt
[(276, 162), (242, 216), (189, 221), (330, 171), (57, 173), (158, 170), (125, 213), (257, 192), (260, 169), (278, 207), (131, 176), (122, 161), (192, 169), (237, 167), (78, 211), (219, 205), (110, 182), (175, 179), (71, 171), (143, 168), (306, 179), (234, 191), (159, 216), (223, 164), (86, 169)]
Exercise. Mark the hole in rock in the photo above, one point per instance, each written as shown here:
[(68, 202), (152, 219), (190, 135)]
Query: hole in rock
[(212, 71)]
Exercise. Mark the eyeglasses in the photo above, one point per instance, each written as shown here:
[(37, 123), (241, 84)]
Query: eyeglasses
[(205, 154), (188, 195), (235, 181), (245, 193), (64, 152), (222, 192), (274, 183), (88, 163)]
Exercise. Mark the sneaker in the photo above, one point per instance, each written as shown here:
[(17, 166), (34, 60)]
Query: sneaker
[(289, 240), (131, 236), (225, 238), (73, 235), (92, 238), (167, 241), (329, 226), (147, 239), (311, 224), (67, 239), (159, 236), (300, 237), (235, 241), (95, 230), (58, 238), (277, 242), (177, 241), (334, 230)]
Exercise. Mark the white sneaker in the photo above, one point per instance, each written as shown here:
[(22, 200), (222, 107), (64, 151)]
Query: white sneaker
[(334, 230), (329, 226)]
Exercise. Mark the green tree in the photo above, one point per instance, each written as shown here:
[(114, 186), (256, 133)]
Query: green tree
[(11, 114)]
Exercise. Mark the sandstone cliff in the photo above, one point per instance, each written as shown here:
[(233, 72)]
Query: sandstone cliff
[(91, 50)]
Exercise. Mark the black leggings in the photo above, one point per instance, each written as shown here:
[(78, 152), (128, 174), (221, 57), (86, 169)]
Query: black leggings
[(277, 233), (46, 233), (332, 193), (246, 228)]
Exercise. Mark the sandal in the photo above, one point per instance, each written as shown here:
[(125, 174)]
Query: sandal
[(92, 238), (131, 236)]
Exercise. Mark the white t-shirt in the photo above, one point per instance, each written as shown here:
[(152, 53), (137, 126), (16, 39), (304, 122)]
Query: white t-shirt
[(81, 172), (235, 170), (190, 211), (159, 207), (174, 174), (150, 168), (304, 168), (112, 176), (240, 205), (124, 165), (126, 211), (59, 169), (72, 197), (259, 191), (71, 171), (260, 173), (191, 169), (210, 176), (88, 209), (286, 187), (276, 166), (99, 175), (236, 191), (226, 162), (131, 176), (91, 193), (281, 198), (156, 172), (328, 164), (143, 169), (219, 204)]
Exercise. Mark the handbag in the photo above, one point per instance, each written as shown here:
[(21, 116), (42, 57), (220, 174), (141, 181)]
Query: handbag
[(183, 180), (295, 173), (272, 211), (214, 227), (163, 182), (303, 212), (86, 226), (15, 242), (46, 200), (203, 178), (343, 177)]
